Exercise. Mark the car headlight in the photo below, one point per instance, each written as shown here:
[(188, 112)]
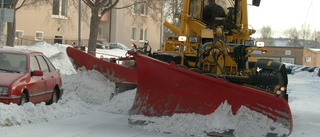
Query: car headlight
[(3, 91)]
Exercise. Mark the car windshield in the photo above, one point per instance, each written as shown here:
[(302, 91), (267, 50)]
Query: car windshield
[(13, 62), (113, 46), (123, 46), (117, 46), (102, 45)]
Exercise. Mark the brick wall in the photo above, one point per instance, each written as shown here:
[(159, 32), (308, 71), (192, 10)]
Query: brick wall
[(300, 55)]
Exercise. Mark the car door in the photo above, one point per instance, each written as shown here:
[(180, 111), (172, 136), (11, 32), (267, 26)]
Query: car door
[(36, 84), (49, 77)]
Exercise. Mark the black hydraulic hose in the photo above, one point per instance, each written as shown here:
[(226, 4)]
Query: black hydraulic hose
[(216, 60), (214, 57), (202, 47)]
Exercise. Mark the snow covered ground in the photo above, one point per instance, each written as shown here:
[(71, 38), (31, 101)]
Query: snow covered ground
[(86, 109)]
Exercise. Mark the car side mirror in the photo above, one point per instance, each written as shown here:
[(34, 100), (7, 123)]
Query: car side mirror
[(37, 73)]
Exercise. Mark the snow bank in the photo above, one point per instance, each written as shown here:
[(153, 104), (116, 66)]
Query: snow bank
[(245, 123)]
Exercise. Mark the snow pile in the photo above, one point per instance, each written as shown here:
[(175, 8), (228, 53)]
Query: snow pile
[(121, 103), (245, 123), (90, 86)]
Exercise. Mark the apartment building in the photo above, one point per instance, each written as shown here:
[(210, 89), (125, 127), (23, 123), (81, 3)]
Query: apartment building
[(133, 25), (58, 23)]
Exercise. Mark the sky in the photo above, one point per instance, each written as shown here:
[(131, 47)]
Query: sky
[(284, 14), (87, 110)]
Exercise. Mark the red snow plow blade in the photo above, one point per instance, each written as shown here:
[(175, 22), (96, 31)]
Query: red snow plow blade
[(165, 89), (113, 71)]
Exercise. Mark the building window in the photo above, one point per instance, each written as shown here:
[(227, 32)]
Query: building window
[(60, 8), (39, 35), (133, 33), (143, 35), (19, 34), (144, 9), (58, 39), (135, 7), (139, 8)]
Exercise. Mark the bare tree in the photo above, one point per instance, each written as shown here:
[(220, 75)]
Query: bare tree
[(305, 35), (315, 43), (97, 7), (293, 35), (172, 8), (266, 35)]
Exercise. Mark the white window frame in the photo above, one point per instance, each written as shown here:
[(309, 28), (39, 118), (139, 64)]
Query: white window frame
[(39, 38), (143, 34), (63, 9), (17, 34), (134, 33)]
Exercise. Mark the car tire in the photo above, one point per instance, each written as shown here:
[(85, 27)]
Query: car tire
[(54, 97), (23, 99)]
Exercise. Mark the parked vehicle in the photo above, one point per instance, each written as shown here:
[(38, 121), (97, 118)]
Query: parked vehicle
[(117, 45), (28, 76), (111, 45), (311, 69), (102, 45), (289, 69)]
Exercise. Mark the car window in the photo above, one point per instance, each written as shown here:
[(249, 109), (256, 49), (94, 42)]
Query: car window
[(51, 66), (102, 45), (43, 64), (34, 65), (13, 62), (121, 46), (113, 46)]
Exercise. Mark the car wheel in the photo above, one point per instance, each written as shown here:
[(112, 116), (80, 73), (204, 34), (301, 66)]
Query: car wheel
[(23, 99), (54, 97)]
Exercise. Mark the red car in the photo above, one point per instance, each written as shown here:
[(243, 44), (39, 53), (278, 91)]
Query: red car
[(28, 76)]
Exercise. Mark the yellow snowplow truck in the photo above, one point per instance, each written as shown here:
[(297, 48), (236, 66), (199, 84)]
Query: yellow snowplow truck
[(207, 62), (220, 44)]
